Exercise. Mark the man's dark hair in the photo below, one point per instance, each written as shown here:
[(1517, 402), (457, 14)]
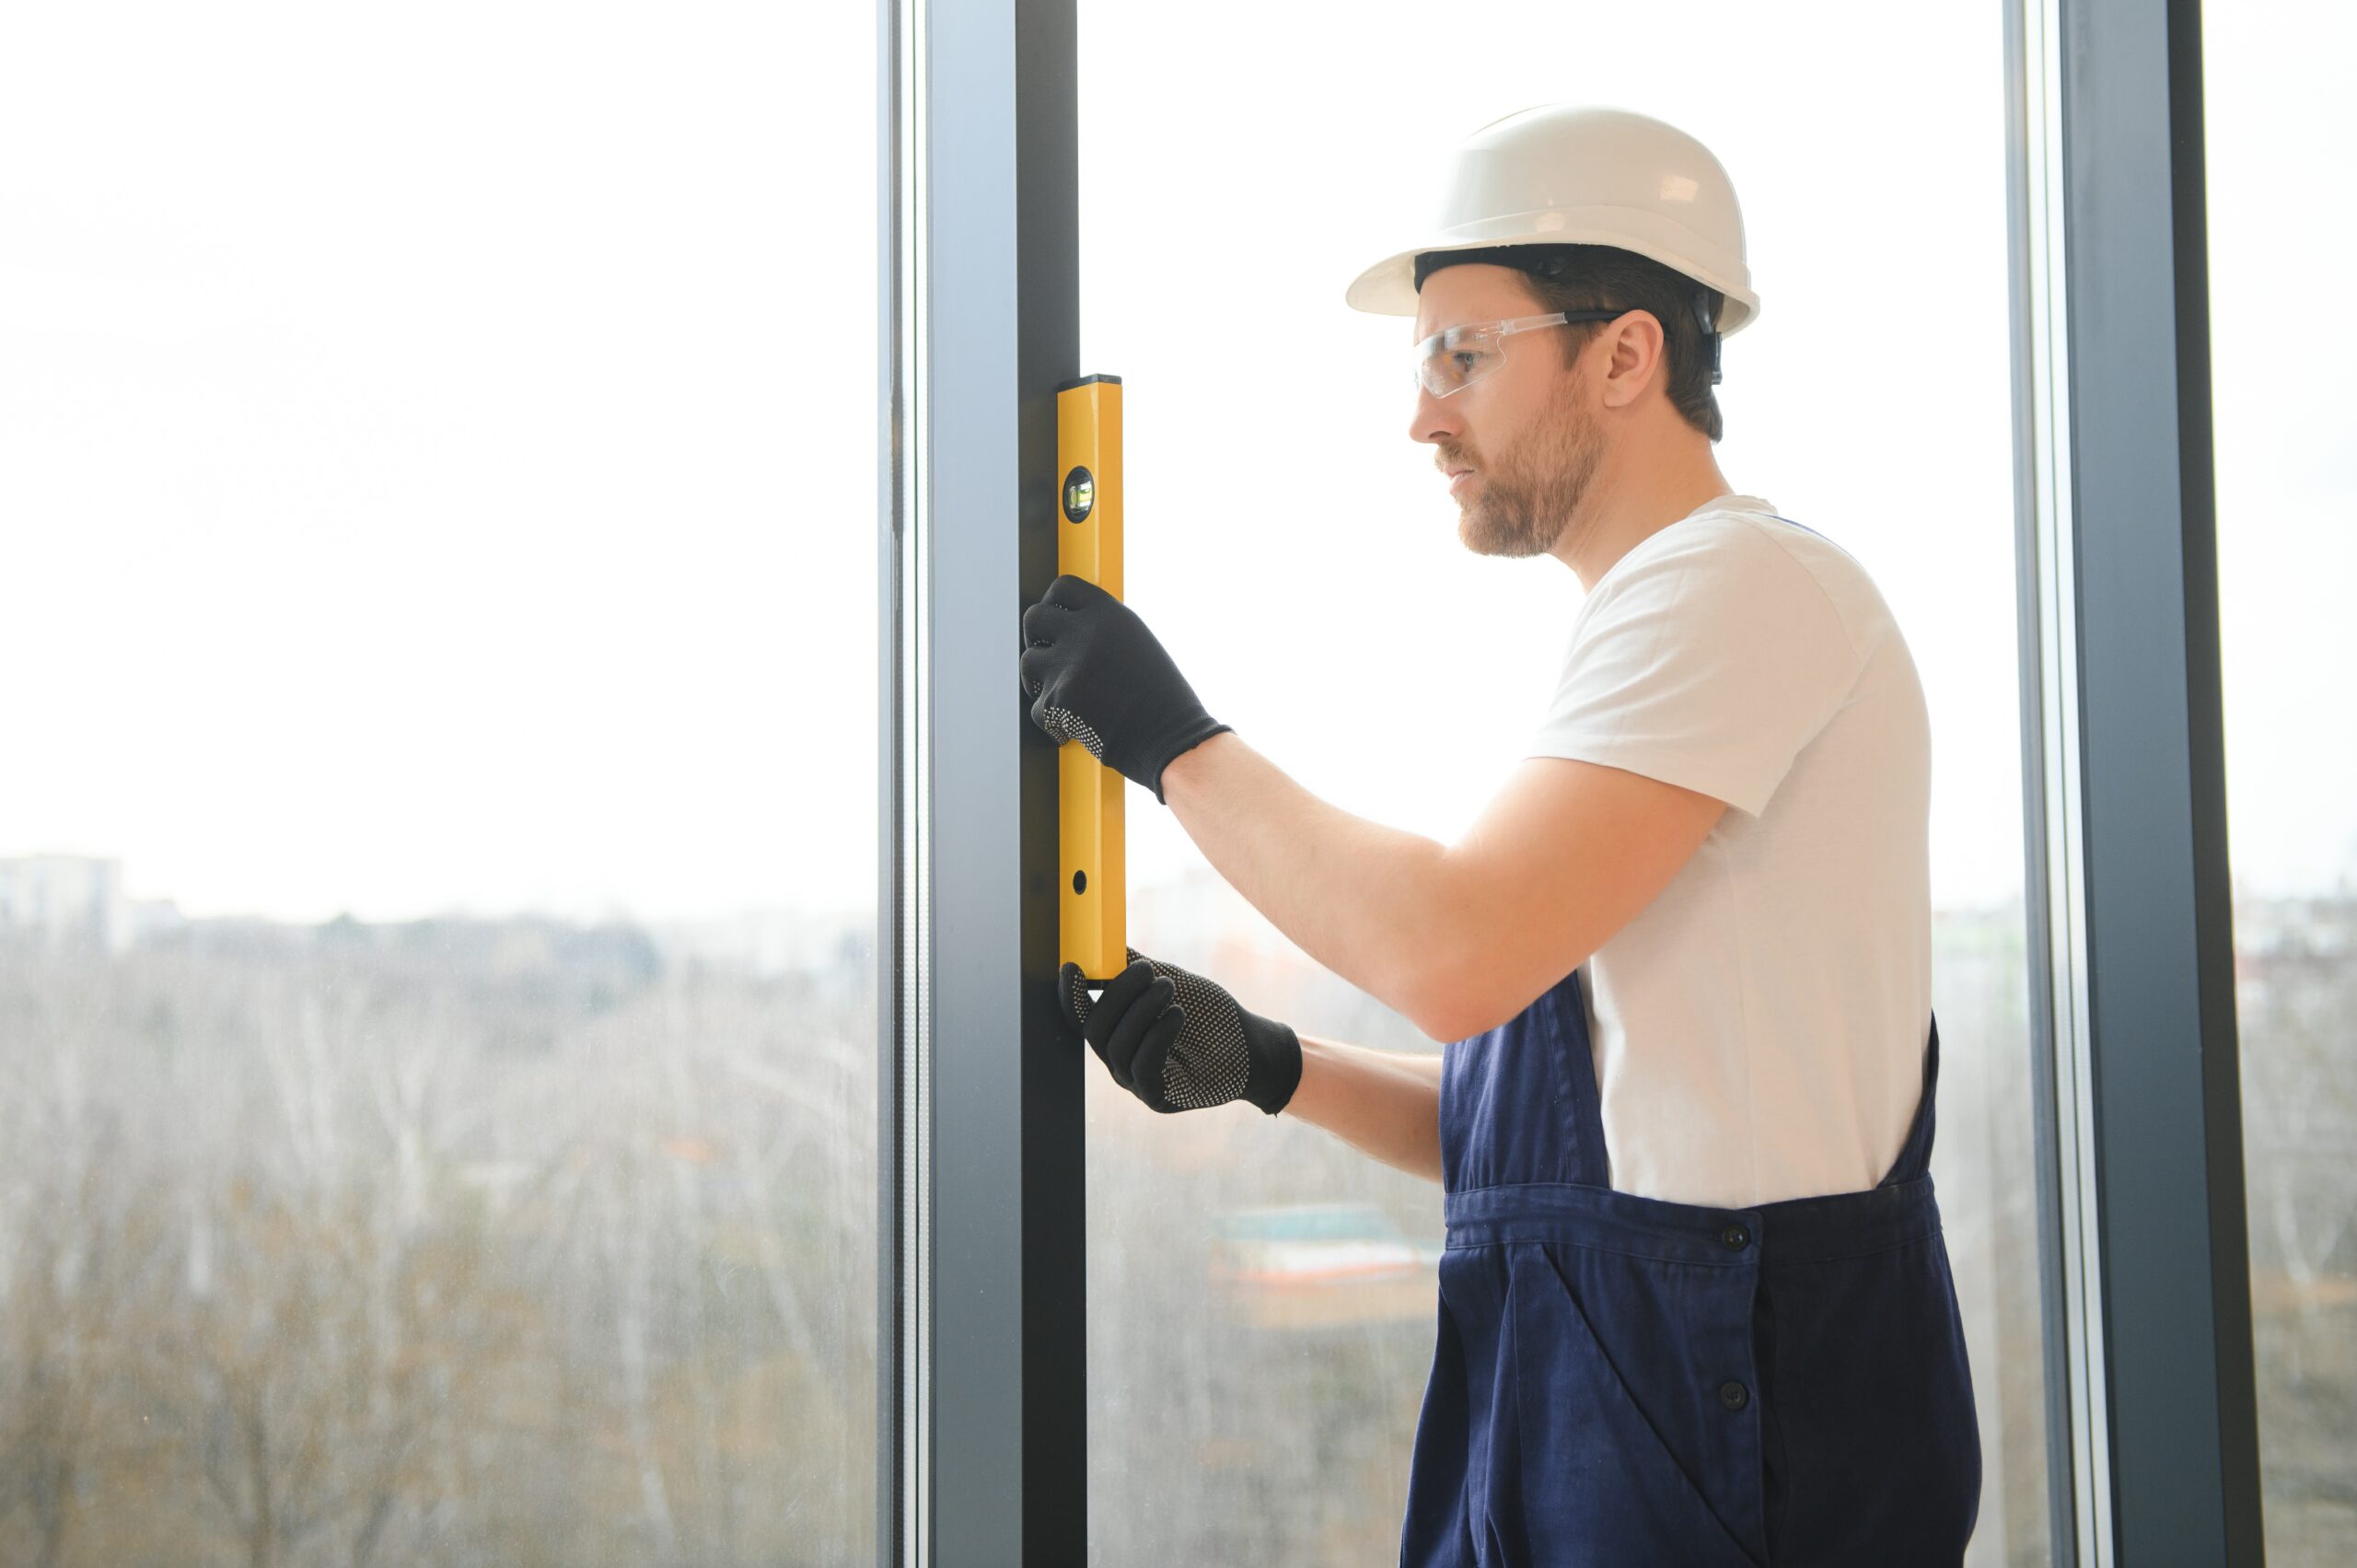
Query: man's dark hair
[(1594, 277)]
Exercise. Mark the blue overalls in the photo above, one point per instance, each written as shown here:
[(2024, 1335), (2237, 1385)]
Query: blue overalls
[(1621, 1380)]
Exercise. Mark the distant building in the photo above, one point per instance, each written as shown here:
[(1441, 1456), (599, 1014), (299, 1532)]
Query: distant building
[(76, 901), (65, 900)]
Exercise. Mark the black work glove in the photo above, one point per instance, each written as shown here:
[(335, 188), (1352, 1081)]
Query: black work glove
[(1179, 1042), (1102, 679)]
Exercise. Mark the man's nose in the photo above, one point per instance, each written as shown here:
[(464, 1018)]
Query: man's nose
[(1431, 420)]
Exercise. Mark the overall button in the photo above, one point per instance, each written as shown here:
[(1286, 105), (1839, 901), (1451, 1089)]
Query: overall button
[(1735, 1396), (1735, 1238)]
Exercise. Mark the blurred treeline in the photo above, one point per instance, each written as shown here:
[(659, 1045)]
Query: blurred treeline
[(518, 1243), (444, 1243), (1215, 1440)]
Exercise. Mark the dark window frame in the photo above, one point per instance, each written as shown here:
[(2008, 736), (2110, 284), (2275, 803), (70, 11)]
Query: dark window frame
[(981, 1311), (2152, 1397)]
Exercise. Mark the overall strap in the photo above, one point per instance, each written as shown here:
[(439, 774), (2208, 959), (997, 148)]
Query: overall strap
[(1915, 1154), (1580, 1103)]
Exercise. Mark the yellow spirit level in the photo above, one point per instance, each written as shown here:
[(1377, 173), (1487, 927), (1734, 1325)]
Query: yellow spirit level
[(1088, 544)]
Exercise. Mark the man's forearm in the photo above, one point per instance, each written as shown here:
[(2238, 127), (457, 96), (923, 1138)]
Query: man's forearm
[(1368, 903), (1386, 1104)]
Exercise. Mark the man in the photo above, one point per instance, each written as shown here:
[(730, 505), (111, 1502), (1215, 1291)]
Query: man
[(1696, 1307)]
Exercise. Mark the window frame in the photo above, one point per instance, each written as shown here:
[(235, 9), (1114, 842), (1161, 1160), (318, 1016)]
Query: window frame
[(981, 1416), (2152, 1418), (981, 1310)]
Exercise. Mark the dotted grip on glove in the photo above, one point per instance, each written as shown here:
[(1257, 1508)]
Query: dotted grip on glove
[(1211, 1063)]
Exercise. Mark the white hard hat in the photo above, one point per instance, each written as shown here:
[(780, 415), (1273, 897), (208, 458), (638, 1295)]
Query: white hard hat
[(1560, 174)]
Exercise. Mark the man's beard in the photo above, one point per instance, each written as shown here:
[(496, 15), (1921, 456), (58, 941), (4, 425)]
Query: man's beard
[(1523, 509)]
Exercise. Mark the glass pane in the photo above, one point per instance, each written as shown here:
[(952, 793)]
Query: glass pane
[(2276, 102), (1299, 556), (435, 1041)]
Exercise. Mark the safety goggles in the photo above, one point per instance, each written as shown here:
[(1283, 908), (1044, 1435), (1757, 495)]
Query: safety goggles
[(1447, 363)]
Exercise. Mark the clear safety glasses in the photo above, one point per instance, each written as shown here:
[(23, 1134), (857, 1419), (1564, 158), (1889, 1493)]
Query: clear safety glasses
[(1447, 363)]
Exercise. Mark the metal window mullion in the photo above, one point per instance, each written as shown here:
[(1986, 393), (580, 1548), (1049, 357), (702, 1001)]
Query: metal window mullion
[(995, 1458), (902, 1165), (2166, 1448), (2078, 1453)]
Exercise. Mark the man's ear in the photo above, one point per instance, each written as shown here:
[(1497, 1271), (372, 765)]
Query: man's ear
[(1637, 352)]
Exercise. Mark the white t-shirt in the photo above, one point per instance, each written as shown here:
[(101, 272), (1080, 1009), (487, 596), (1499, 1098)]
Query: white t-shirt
[(1759, 1028)]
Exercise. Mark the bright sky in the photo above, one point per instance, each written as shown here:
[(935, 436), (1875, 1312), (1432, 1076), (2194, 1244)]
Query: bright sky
[(436, 448)]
